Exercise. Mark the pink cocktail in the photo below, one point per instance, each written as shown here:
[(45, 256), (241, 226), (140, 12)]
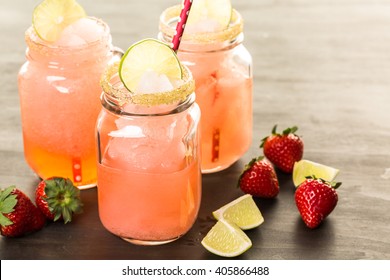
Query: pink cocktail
[(224, 94), (148, 207), (222, 69), (59, 97), (149, 178)]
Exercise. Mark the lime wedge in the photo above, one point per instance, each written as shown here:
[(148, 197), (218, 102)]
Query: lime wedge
[(226, 239), (304, 168), (242, 211), (50, 17), (148, 55), (209, 12)]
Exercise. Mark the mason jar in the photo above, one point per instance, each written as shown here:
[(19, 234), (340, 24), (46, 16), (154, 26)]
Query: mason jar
[(222, 69), (149, 177), (59, 94)]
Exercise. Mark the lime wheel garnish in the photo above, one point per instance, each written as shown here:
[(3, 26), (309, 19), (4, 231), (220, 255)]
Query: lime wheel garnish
[(51, 17), (218, 11), (148, 55), (154, 56)]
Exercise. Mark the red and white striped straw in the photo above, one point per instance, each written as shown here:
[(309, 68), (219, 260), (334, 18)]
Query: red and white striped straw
[(181, 24)]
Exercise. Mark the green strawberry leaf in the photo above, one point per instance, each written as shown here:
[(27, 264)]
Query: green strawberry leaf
[(8, 205), (263, 142), (4, 221), (274, 129), (332, 184), (6, 192), (290, 130), (335, 185), (8, 201)]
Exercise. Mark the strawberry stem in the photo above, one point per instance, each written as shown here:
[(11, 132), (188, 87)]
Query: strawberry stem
[(287, 131), (63, 198), (334, 185)]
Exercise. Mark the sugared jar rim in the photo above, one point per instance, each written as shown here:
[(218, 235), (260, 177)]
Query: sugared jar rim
[(115, 90), (171, 15)]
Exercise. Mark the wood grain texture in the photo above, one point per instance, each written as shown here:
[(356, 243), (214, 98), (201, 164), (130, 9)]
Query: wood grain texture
[(323, 65)]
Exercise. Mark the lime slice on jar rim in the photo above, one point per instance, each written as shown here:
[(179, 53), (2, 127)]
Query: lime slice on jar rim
[(148, 55), (209, 12), (51, 17), (242, 211)]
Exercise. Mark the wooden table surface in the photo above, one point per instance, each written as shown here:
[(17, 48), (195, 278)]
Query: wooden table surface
[(322, 65)]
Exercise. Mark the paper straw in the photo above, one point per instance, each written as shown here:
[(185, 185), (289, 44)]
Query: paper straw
[(181, 24)]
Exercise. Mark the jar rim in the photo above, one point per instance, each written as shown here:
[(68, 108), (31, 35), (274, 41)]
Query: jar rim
[(36, 43), (171, 15), (119, 94)]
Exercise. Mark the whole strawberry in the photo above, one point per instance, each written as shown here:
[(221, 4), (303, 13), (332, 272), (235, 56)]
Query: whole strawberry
[(18, 215), (315, 200), (58, 198), (283, 150), (259, 179)]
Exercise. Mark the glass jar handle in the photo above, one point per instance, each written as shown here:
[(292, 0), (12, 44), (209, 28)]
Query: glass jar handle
[(117, 54)]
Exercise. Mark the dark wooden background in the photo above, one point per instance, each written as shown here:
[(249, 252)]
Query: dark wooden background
[(323, 65)]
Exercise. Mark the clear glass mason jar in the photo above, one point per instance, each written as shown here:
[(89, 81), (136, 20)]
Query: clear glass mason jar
[(149, 177), (222, 69), (59, 93)]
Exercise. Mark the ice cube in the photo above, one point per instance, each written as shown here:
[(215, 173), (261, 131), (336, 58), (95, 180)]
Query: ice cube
[(161, 147), (129, 131), (141, 154), (152, 82), (82, 31), (204, 26), (176, 83), (122, 122), (126, 153), (89, 29), (69, 38)]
